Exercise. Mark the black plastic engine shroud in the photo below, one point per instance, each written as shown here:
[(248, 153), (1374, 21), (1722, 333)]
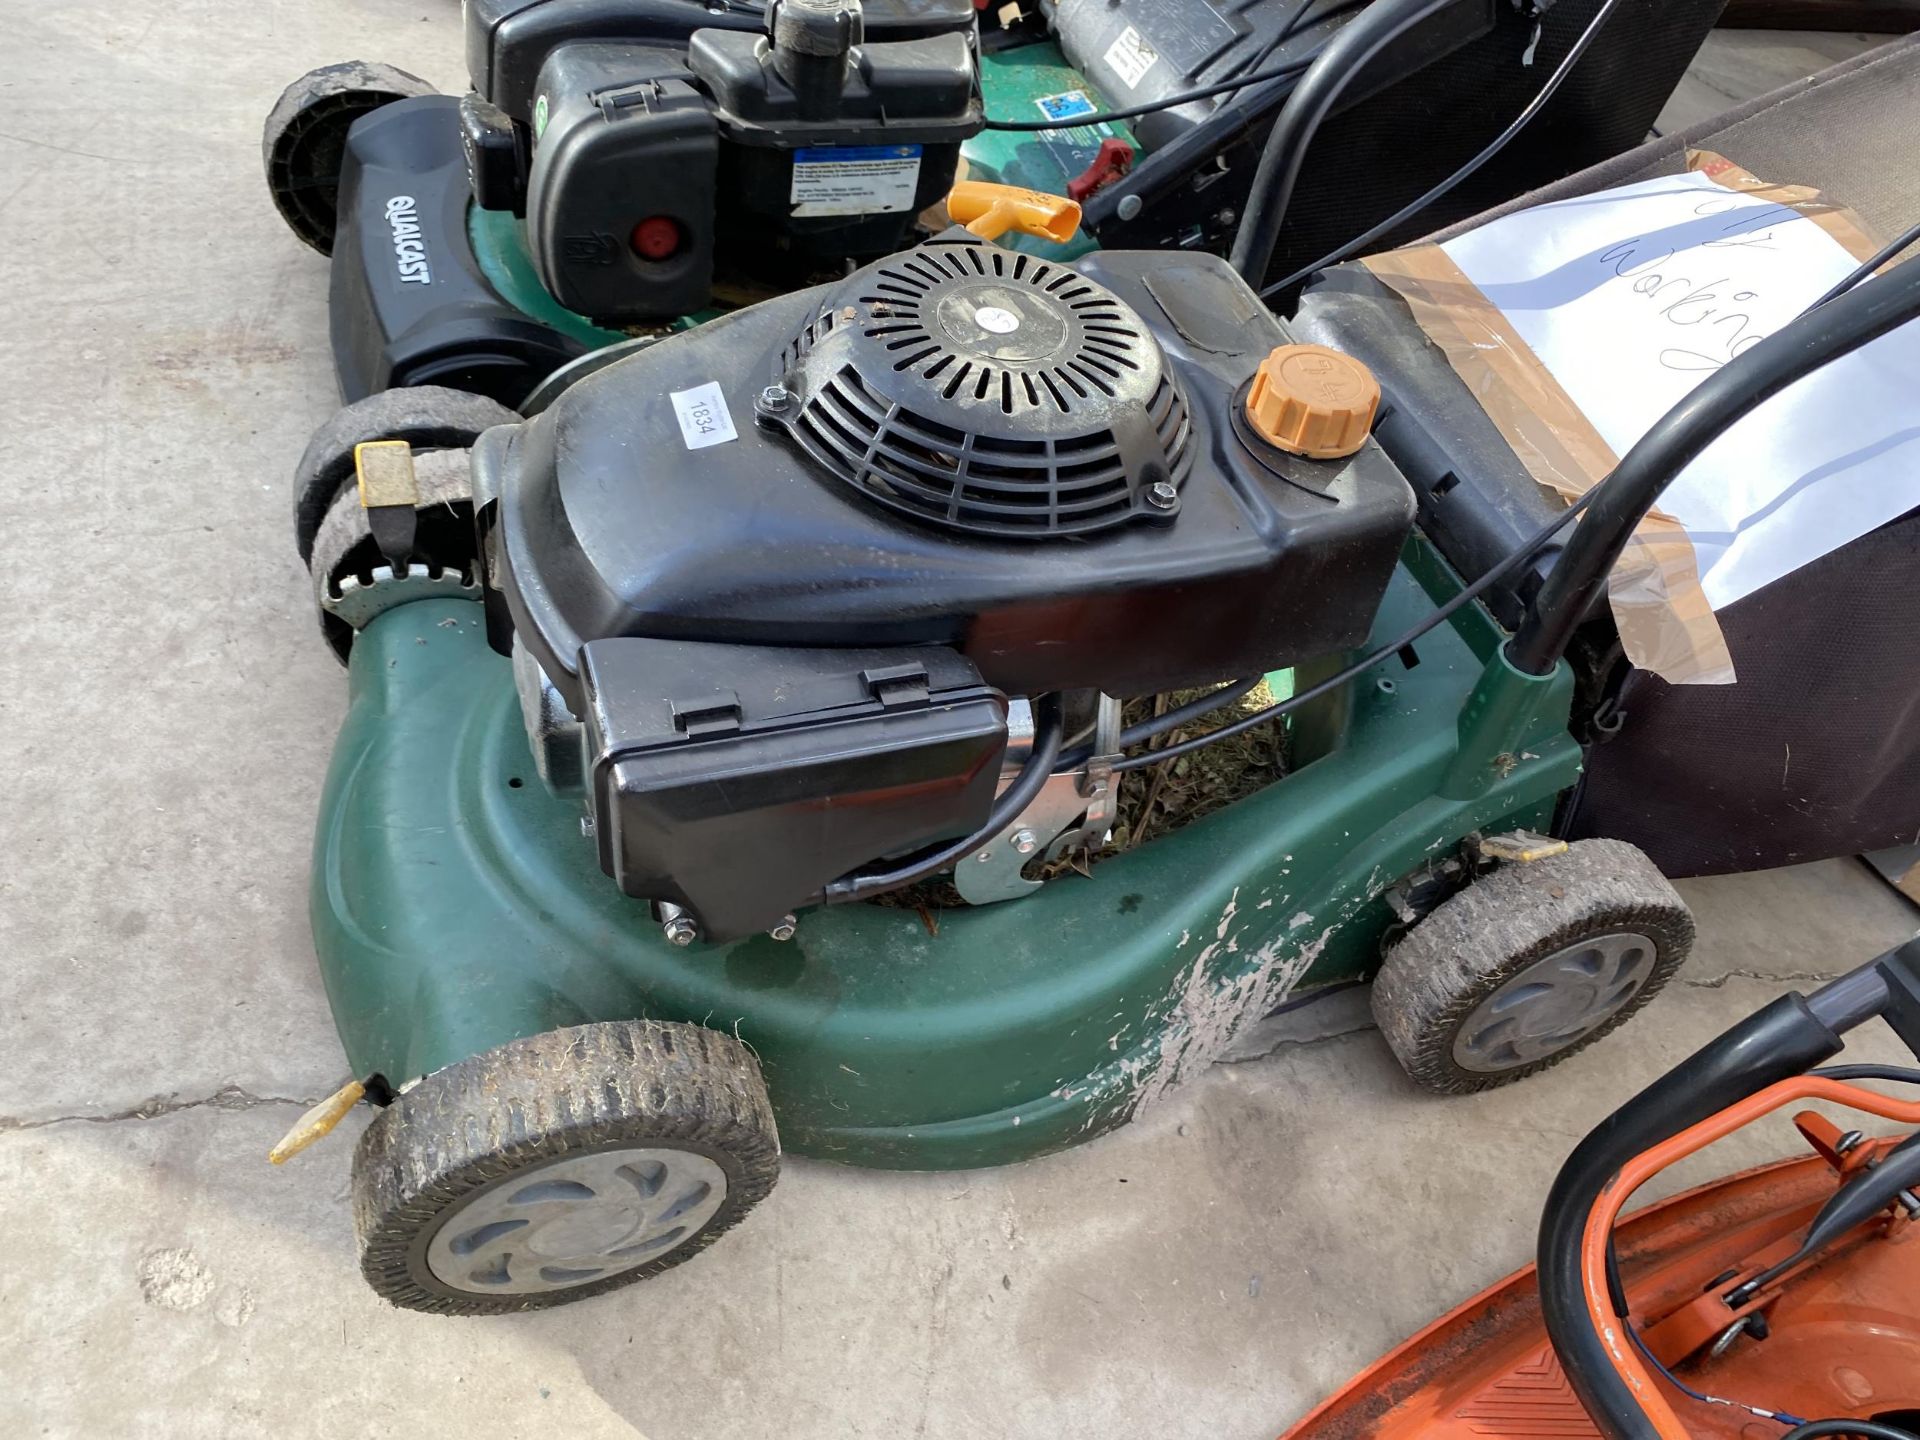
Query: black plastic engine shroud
[(600, 521)]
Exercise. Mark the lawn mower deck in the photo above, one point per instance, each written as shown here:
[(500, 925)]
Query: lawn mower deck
[(456, 908)]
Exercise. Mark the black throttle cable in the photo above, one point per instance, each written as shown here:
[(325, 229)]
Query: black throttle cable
[(1820, 334), (1048, 732), (1166, 102), (1528, 548)]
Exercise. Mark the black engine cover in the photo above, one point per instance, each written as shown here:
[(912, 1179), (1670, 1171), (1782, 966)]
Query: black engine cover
[(626, 509)]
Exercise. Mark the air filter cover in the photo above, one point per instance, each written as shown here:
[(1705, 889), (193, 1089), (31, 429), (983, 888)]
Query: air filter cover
[(992, 393)]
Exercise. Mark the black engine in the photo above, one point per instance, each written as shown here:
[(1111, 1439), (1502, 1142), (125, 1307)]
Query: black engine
[(658, 149), (776, 583)]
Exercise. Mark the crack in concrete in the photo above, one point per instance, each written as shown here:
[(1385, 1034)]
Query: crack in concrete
[(1774, 977), (1306, 1042), (227, 1097), (1299, 1042)]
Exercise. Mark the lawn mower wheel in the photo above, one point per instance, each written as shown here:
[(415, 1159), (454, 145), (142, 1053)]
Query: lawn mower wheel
[(1530, 964), (561, 1166)]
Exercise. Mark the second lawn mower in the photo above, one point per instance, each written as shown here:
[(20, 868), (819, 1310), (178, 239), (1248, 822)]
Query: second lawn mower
[(621, 169)]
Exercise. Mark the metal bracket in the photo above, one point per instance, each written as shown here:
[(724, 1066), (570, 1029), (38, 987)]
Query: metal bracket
[(1520, 847), (553, 732), (1096, 785), (1074, 810)]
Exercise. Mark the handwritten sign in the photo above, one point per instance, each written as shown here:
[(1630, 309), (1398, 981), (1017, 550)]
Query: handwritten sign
[(1633, 296)]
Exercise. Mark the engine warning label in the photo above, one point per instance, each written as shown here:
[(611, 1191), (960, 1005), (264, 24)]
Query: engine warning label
[(855, 179), (1067, 105), (703, 416), (1130, 57)]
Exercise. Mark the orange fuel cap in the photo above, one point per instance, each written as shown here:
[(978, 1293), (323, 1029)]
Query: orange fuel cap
[(1313, 401)]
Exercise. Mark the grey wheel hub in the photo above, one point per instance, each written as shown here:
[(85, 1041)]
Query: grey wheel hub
[(576, 1220), (1555, 1002)]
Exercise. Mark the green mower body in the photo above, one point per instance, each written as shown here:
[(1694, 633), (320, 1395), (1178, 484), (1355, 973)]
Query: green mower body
[(456, 907)]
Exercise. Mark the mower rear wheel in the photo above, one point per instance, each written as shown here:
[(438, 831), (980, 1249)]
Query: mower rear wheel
[(561, 1166), (1530, 964), (306, 136), (427, 417)]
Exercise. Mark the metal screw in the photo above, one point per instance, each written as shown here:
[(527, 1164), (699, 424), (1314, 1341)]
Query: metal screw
[(775, 397), (1025, 841), (1128, 207), (681, 930), (1162, 496), (983, 857), (1225, 218), (784, 930), (586, 827), (1847, 1142)]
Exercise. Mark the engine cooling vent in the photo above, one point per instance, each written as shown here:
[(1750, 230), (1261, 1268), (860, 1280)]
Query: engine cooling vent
[(992, 393)]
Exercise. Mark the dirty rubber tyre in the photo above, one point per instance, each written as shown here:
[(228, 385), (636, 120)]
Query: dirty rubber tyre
[(1530, 964), (306, 135), (427, 417), (495, 1166)]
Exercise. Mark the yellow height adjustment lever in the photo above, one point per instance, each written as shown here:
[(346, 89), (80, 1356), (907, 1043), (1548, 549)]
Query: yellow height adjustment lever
[(317, 1122), (389, 494), (989, 211)]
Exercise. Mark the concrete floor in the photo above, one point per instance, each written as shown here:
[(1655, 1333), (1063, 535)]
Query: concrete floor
[(168, 710), (1736, 65)]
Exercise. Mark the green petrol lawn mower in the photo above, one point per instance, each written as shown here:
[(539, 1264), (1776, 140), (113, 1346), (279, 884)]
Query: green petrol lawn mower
[(806, 730), (622, 169)]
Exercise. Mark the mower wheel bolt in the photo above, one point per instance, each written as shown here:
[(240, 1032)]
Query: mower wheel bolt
[(681, 930), (784, 930), (1162, 496), (775, 397), (1025, 841)]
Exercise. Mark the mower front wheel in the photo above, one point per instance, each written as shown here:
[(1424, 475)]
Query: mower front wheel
[(561, 1166), (306, 135), (1529, 965), (427, 417)]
